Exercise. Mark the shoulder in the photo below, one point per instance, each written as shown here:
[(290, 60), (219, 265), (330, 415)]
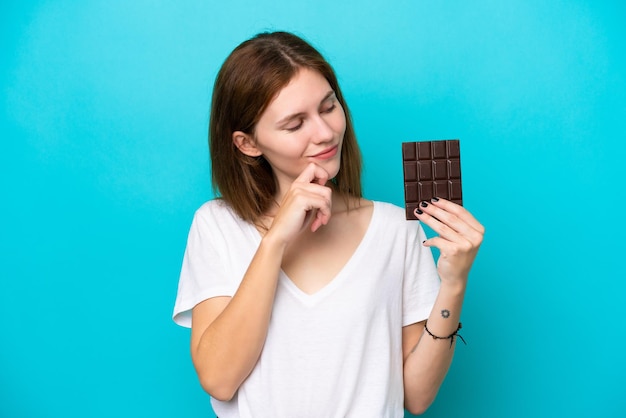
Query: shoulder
[(390, 212), (215, 208), (216, 212), (393, 219)]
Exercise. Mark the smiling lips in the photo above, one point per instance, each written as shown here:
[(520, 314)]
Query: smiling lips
[(327, 153)]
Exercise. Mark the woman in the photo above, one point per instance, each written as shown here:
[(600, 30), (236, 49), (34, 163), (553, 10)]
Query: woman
[(305, 299)]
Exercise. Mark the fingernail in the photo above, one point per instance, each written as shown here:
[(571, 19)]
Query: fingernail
[(418, 211), (424, 204), (435, 199)]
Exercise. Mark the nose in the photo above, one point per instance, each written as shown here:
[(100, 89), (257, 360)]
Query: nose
[(323, 132)]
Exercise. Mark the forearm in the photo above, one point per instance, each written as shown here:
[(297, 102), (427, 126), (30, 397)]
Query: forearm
[(230, 346), (428, 362)]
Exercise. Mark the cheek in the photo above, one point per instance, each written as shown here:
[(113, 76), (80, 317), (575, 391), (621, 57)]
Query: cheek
[(285, 146), (340, 123)]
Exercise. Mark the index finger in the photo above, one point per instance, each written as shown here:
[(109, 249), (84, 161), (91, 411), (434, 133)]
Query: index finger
[(313, 173)]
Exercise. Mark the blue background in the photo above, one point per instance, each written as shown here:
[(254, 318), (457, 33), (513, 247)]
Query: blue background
[(103, 158)]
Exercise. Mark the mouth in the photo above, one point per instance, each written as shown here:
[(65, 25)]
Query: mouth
[(327, 153)]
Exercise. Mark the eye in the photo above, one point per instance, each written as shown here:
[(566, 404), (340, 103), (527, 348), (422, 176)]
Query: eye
[(330, 108), (294, 126)]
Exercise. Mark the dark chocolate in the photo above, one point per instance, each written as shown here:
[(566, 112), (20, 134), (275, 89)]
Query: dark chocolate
[(431, 169)]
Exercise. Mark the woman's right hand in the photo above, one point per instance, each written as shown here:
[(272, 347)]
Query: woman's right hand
[(307, 202)]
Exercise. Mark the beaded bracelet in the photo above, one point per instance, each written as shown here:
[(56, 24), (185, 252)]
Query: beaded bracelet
[(449, 337)]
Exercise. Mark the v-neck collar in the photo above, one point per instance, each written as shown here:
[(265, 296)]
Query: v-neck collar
[(314, 298)]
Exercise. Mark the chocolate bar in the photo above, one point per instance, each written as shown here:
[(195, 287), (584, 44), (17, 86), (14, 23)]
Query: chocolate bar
[(431, 169)]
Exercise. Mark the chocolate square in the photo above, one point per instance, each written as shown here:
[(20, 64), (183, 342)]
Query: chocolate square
[(431, 169)]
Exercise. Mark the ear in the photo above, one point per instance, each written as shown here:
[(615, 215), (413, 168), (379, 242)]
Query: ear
[(246, 144)]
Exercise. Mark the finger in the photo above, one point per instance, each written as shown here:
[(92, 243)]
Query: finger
[(455, 259), (318, 221), (447, 224), (322, 215), (313, 173), (316, 201), (447, 247), (310, 218), (459, 211), (441, 224), (320, 195)]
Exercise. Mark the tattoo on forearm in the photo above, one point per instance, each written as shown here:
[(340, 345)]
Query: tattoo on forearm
[(445, 313)]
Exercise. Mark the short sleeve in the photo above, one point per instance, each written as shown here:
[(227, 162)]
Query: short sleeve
[(204, 272), (421, 281)]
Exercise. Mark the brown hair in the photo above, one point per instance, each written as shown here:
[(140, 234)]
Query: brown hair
[(250, 78)]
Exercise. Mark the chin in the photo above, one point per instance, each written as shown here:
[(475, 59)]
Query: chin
[(332, 168)]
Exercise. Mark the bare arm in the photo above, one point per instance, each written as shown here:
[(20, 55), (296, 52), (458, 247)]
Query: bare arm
[(427, 360), (228, 334)]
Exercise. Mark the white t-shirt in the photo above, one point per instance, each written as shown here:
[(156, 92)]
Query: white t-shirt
[(337, 352)]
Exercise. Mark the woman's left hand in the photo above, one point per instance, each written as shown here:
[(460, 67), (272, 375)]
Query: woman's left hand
[(460, 236)]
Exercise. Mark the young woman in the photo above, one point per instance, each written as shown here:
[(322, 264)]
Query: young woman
[(305, 299)]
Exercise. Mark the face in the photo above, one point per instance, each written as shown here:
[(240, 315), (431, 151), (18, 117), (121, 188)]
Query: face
[(304, 123)]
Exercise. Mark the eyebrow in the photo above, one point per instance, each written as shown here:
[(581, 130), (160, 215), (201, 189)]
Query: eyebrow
[(300, 114)]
